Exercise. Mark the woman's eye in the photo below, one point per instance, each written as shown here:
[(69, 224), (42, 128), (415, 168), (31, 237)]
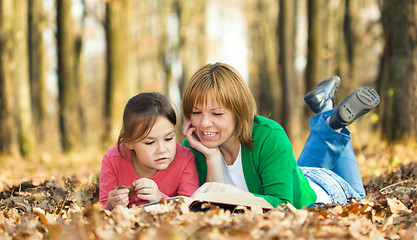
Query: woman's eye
[(149, 143), (195, 113), (217, 114), (169, 139)]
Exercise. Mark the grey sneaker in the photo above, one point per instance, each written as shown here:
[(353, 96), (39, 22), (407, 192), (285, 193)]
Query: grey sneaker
[(361, 101), (319, 98)]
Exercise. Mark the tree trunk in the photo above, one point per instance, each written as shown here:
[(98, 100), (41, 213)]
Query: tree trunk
[(399, 76), (264, 79), (119, 70), (347, 46), (68, 81), (9, 135), (331, 45), (37, 73), (286, 34), (315, 65), (192, 37), (15, 97)]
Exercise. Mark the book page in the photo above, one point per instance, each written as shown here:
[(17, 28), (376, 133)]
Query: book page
[(232, 199), (228, 201)]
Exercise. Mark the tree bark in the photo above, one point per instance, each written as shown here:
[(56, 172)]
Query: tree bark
[(119, 69), (315, 65), (69, 87), (37, 73), (286, 35), (347, 46), (15, 97), (9, 136), (399, 76), (192, 37), (264, 78)]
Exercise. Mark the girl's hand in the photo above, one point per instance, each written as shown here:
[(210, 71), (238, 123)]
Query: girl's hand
[(118, 197), (221, 187), (147, 189)]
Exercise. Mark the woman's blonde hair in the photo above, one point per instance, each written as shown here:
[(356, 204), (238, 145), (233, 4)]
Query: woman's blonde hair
[(228, 88)]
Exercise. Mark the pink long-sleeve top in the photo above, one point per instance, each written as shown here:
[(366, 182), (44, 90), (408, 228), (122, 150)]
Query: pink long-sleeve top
[(180, 178)]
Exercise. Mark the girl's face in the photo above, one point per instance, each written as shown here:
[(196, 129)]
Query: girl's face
[(157, 150), (215, 125)]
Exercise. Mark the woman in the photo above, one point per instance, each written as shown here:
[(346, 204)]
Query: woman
[(238, 151)]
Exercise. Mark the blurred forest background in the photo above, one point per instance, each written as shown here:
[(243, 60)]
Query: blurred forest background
[(68, 67)]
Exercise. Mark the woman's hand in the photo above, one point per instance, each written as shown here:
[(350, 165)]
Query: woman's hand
[(189, 133), (118, 197), (221, 187), (147, 189), (213, 155)]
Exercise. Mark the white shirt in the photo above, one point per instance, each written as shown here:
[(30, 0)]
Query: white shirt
[(322, 196), (233, 174)]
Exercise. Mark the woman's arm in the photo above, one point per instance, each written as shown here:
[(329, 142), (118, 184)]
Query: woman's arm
[(276, 175), (213, 155), (276, 166)]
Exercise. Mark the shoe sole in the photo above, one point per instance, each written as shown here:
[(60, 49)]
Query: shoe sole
[(361, 101)]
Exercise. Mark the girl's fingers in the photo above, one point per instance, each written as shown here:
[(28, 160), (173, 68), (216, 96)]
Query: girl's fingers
[(150, 197), (147, 189), (125, 202), (144, 183), (118, 197), (144, 191), (120, 193)]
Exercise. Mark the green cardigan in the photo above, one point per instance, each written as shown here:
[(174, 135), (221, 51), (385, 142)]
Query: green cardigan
[(270, 168)]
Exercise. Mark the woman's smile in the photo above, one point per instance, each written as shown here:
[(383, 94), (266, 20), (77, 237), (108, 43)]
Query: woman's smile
[(210, 134), (215, 123)]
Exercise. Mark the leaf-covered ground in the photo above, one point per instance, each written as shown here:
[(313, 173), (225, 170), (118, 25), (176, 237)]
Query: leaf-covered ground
[(67, 207)]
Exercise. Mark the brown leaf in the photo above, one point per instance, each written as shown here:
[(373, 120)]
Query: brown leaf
[(131, 189), (396, 206)]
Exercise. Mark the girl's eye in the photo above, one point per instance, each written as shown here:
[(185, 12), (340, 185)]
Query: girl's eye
[(195, 112), (217, 114), (169, 139), (149, 143)]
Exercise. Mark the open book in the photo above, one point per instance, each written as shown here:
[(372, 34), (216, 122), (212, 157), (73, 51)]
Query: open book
[(203, 201)]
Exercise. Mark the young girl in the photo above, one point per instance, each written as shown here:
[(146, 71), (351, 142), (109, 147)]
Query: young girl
[(147, 156)]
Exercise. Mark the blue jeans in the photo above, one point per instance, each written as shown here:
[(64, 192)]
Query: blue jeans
[(327, 149)]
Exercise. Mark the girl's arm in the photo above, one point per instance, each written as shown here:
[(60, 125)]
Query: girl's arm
[(189, 176), (108, 180)]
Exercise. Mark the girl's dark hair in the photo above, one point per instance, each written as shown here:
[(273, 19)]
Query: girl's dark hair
[(140, 114)]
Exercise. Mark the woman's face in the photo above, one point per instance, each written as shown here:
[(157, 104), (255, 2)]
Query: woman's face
[(215, 124)]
